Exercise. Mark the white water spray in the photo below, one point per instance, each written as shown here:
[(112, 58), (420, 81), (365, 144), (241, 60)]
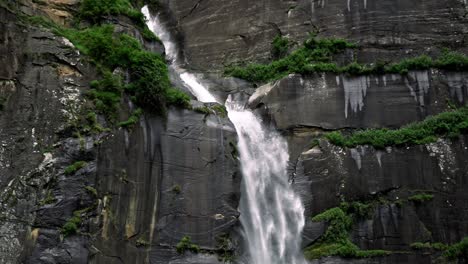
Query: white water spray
[(272, 215), (190, 80)]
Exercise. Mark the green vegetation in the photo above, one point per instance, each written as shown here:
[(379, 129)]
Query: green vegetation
[(428, 246), (150, 84), (316, 56), (203, 110), (72, 225), (186, 244), (335, 241), (421, 198), (96, 12), (116, 54), (141, 242), (49, 199), (452, 252), (176, 189), (450, 123), (457, 250), (279, 47), (217, 109), (92, 191), (74, 167), (224, 249), (132, 120)]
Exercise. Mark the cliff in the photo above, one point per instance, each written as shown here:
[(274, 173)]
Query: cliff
[(77, 187)]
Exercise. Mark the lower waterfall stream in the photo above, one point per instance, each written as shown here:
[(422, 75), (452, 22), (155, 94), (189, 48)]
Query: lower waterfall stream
[(271, 214)]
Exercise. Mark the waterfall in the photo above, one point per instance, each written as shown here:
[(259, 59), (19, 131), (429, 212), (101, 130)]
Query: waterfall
[(189, 79), (272, 215)]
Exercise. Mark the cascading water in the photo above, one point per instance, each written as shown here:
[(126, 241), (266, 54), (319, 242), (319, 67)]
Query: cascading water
[(190, 80), (272, 215)]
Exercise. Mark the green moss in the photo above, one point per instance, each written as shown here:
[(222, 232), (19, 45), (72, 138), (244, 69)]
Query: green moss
[(49, 199), (220, 110), (92, 191), (74, 167), (186, 244), (72, 225), (217, 109), (335, 241), (428, 246), (203, 110), (450, 123), (421, 198), (132, 120), (458, 250)]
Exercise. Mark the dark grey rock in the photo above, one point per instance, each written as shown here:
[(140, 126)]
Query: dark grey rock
[(333, 102), (165, 181)]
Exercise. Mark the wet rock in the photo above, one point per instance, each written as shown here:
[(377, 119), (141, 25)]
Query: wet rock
[(332, 102), (166, 181)]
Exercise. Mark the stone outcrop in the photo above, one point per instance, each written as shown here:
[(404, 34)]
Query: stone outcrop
[(330, 101), (166, 180)]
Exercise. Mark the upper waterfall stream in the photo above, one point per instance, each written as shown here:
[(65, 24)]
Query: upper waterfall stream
[(272, 215)]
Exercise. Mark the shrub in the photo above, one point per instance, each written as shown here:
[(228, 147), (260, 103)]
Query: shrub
[(72, 225), (186, 244), (450, 123), (150, 82), (132, 120), (96, 11), (421, 198), (428, 246), (457, 250), (74, 167), (314, 55), (335, 241), (451, 60), (279, 47)]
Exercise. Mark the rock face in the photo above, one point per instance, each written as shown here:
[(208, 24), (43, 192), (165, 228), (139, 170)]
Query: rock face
[(166, 180), (42, 82), (140, 191), (334, 102), (217, 32)]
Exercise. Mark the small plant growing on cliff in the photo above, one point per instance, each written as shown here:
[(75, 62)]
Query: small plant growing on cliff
[(49, 199), (176, 189), (72, 225), (74, 167), (279, 47), (450, 123), (186, 244), (132, 120), (421, 198), (335, 241), (428, 246), (141, 242), (458, 250)]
